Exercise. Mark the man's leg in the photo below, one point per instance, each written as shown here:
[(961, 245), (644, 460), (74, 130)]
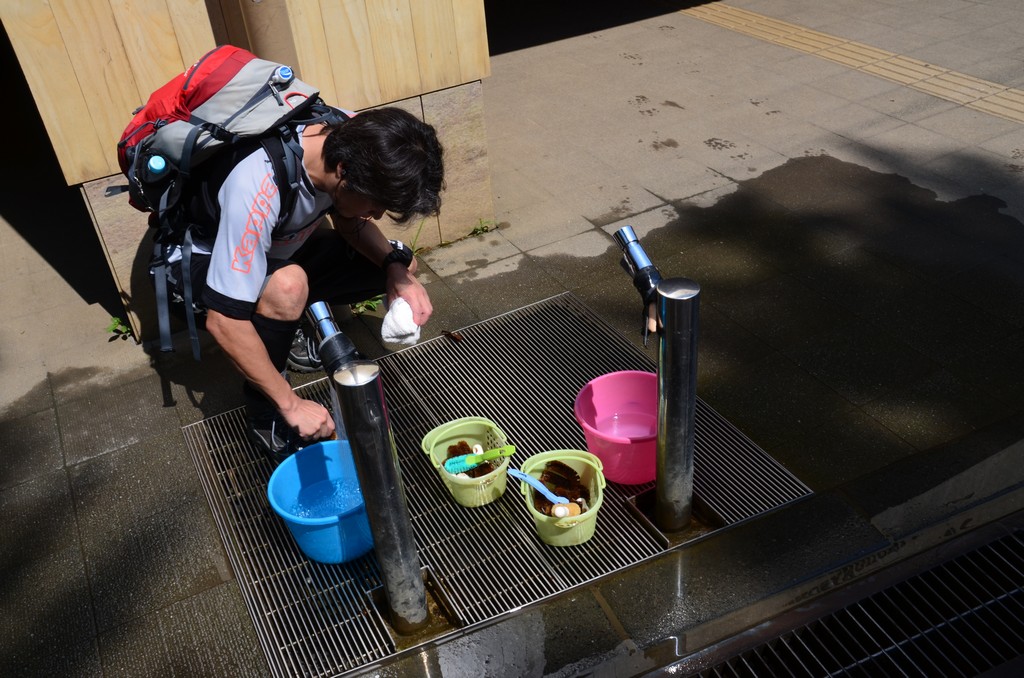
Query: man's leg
[(337, 274), (276, 336), (279, 309), (277, 317)]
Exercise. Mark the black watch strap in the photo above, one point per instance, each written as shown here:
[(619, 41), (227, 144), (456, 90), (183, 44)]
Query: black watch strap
[(399, 253)]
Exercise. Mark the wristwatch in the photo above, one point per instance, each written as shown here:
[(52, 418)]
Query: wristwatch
[(399, 254)]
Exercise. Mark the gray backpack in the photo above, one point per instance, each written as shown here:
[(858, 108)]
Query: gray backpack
[(181, 145)]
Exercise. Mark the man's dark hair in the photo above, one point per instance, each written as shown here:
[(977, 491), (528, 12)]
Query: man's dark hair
[(391, 157)]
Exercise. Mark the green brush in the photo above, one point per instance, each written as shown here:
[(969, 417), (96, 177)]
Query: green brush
[(466, 462)]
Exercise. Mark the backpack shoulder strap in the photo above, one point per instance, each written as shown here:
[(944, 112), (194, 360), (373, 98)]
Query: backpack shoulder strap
[(282, 146), (285, 152), (285, 159)]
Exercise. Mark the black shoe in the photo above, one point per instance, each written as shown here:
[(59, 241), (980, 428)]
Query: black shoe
[(304, 356), (272, 437)]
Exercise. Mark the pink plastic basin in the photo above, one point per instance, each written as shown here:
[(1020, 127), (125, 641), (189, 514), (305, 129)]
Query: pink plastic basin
[(619, 416)]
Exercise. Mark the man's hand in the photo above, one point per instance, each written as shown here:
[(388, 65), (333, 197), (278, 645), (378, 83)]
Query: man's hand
[(402, 283), (366, 238), (309, 418)]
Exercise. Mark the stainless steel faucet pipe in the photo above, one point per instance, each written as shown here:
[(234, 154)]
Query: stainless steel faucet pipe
[(644, 273), (634, 256), (360, 391), (334, 347), (679, 315), (322, 319), (335, 350)]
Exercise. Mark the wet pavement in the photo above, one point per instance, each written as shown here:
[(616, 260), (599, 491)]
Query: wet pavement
[(857, 240)]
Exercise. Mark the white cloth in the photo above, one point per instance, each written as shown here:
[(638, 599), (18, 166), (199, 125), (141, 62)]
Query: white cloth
[(398, 328)]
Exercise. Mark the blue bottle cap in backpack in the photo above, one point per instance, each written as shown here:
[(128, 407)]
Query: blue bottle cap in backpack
[(157, 164), (283, 75)]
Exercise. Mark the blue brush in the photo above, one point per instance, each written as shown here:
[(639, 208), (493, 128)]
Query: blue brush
[(567, 507), (467, 462)]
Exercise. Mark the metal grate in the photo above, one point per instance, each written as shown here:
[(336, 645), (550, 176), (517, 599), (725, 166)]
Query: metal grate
[(962, 618), (523, 371)]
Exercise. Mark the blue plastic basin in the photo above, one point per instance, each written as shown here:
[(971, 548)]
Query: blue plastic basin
[(316, 492)]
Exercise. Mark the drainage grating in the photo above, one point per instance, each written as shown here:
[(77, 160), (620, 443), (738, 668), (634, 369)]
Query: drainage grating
[(521, 370), (962, 618)]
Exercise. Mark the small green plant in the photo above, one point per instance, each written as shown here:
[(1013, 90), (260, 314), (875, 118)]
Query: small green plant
[(118, 329), (368, 305), (484, 226), (416, 238)]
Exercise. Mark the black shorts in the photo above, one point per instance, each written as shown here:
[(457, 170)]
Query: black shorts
[(337, 274)]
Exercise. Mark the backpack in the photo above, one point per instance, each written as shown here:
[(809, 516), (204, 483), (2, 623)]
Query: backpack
[(180, 146)]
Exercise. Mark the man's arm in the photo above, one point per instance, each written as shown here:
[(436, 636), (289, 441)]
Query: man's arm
[(363, 235), (243, 346), (366, 238)]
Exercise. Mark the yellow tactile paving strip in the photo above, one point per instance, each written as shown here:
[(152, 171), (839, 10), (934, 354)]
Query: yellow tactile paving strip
[(965, 90)]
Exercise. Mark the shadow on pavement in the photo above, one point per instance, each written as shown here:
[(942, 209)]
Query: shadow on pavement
[(36, 200)]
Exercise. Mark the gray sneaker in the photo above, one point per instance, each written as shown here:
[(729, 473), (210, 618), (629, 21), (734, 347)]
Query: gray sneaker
[(272, 437), (304, 356)]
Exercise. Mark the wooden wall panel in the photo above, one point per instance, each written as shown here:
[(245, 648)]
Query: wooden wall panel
[(192, 29), (437, 54), (471, 38), (89, 63), (227, 23), (394, 48), (309, 31), (355, 79), (268, 25), (147, 38), (102, 71)]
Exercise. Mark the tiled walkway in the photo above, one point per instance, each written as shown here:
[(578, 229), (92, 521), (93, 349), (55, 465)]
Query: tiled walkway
[(975, 93)]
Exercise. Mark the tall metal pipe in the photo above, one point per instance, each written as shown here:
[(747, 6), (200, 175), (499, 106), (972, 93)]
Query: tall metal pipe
[(679, 316), (360, 391), (335, 350)]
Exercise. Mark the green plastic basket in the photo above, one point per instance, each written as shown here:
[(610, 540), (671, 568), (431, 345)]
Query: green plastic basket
[(574, 529), (475, 431)]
